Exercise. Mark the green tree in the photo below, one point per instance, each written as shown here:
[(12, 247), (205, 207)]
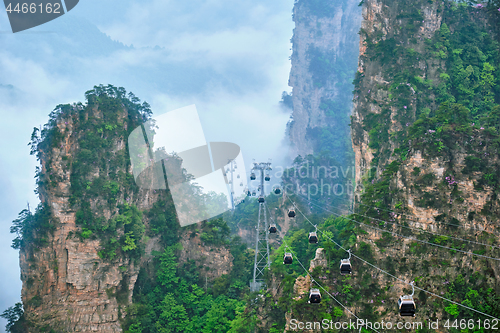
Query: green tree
[(12, 315), (168, 268), (173, 316)]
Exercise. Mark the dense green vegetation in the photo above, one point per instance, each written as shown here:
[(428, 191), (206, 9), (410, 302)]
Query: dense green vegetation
[(97, 134), (32, 229), (453, 111), (273, 308), (170, 294), (467, 75), (175, 299), (456, 110), (13, 315), (442, 99)]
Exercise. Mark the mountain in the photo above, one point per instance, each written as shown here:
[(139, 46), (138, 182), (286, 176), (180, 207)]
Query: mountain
[(91, 247), (424, 130), (324, 61), (99, 253), (426, 144), (425, 138)]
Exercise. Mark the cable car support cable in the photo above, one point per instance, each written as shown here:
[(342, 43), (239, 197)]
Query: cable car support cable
[(307, 272), (428, 219), (408, 227), (407, 237), (389, 274), (319, 285), (411, 217)]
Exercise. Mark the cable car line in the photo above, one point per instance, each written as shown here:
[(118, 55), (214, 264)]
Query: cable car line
[(408, 227), (411, 217), (416, 218), (424, 290), (428, 219), (380, 269), (407, 237), (313, 236), (288, 256), (319, 285), (430, 232), (326, 291), (372, 265), (271, 217)]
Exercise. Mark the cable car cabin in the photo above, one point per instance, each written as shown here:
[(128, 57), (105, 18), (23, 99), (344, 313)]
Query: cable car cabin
[(254, 194), (272, 228), (241, 184), (314, 296), (291, 213), (313, 237), (267, 178), (238, 176), (277, 190), (406, 306), (345, 267), (287, 258), (249, 193), (252, 176), (261, 199)]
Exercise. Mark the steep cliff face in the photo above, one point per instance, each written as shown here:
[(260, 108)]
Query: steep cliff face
[(388, 22), (216, 260), (80, 266), (324, 57), (425, 133), (423, 94), (66, 284), (425, 138)]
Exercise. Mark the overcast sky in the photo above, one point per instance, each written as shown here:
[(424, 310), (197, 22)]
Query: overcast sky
[(230, 58)]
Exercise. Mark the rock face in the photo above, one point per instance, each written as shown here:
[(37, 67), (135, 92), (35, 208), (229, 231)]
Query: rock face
[(382, 21), (216, 261), (70, 284), (321, 94), (66, 285), (414, 170), (401, 176), (376, 142), (470, 199), (303, 283), (319, 260)]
